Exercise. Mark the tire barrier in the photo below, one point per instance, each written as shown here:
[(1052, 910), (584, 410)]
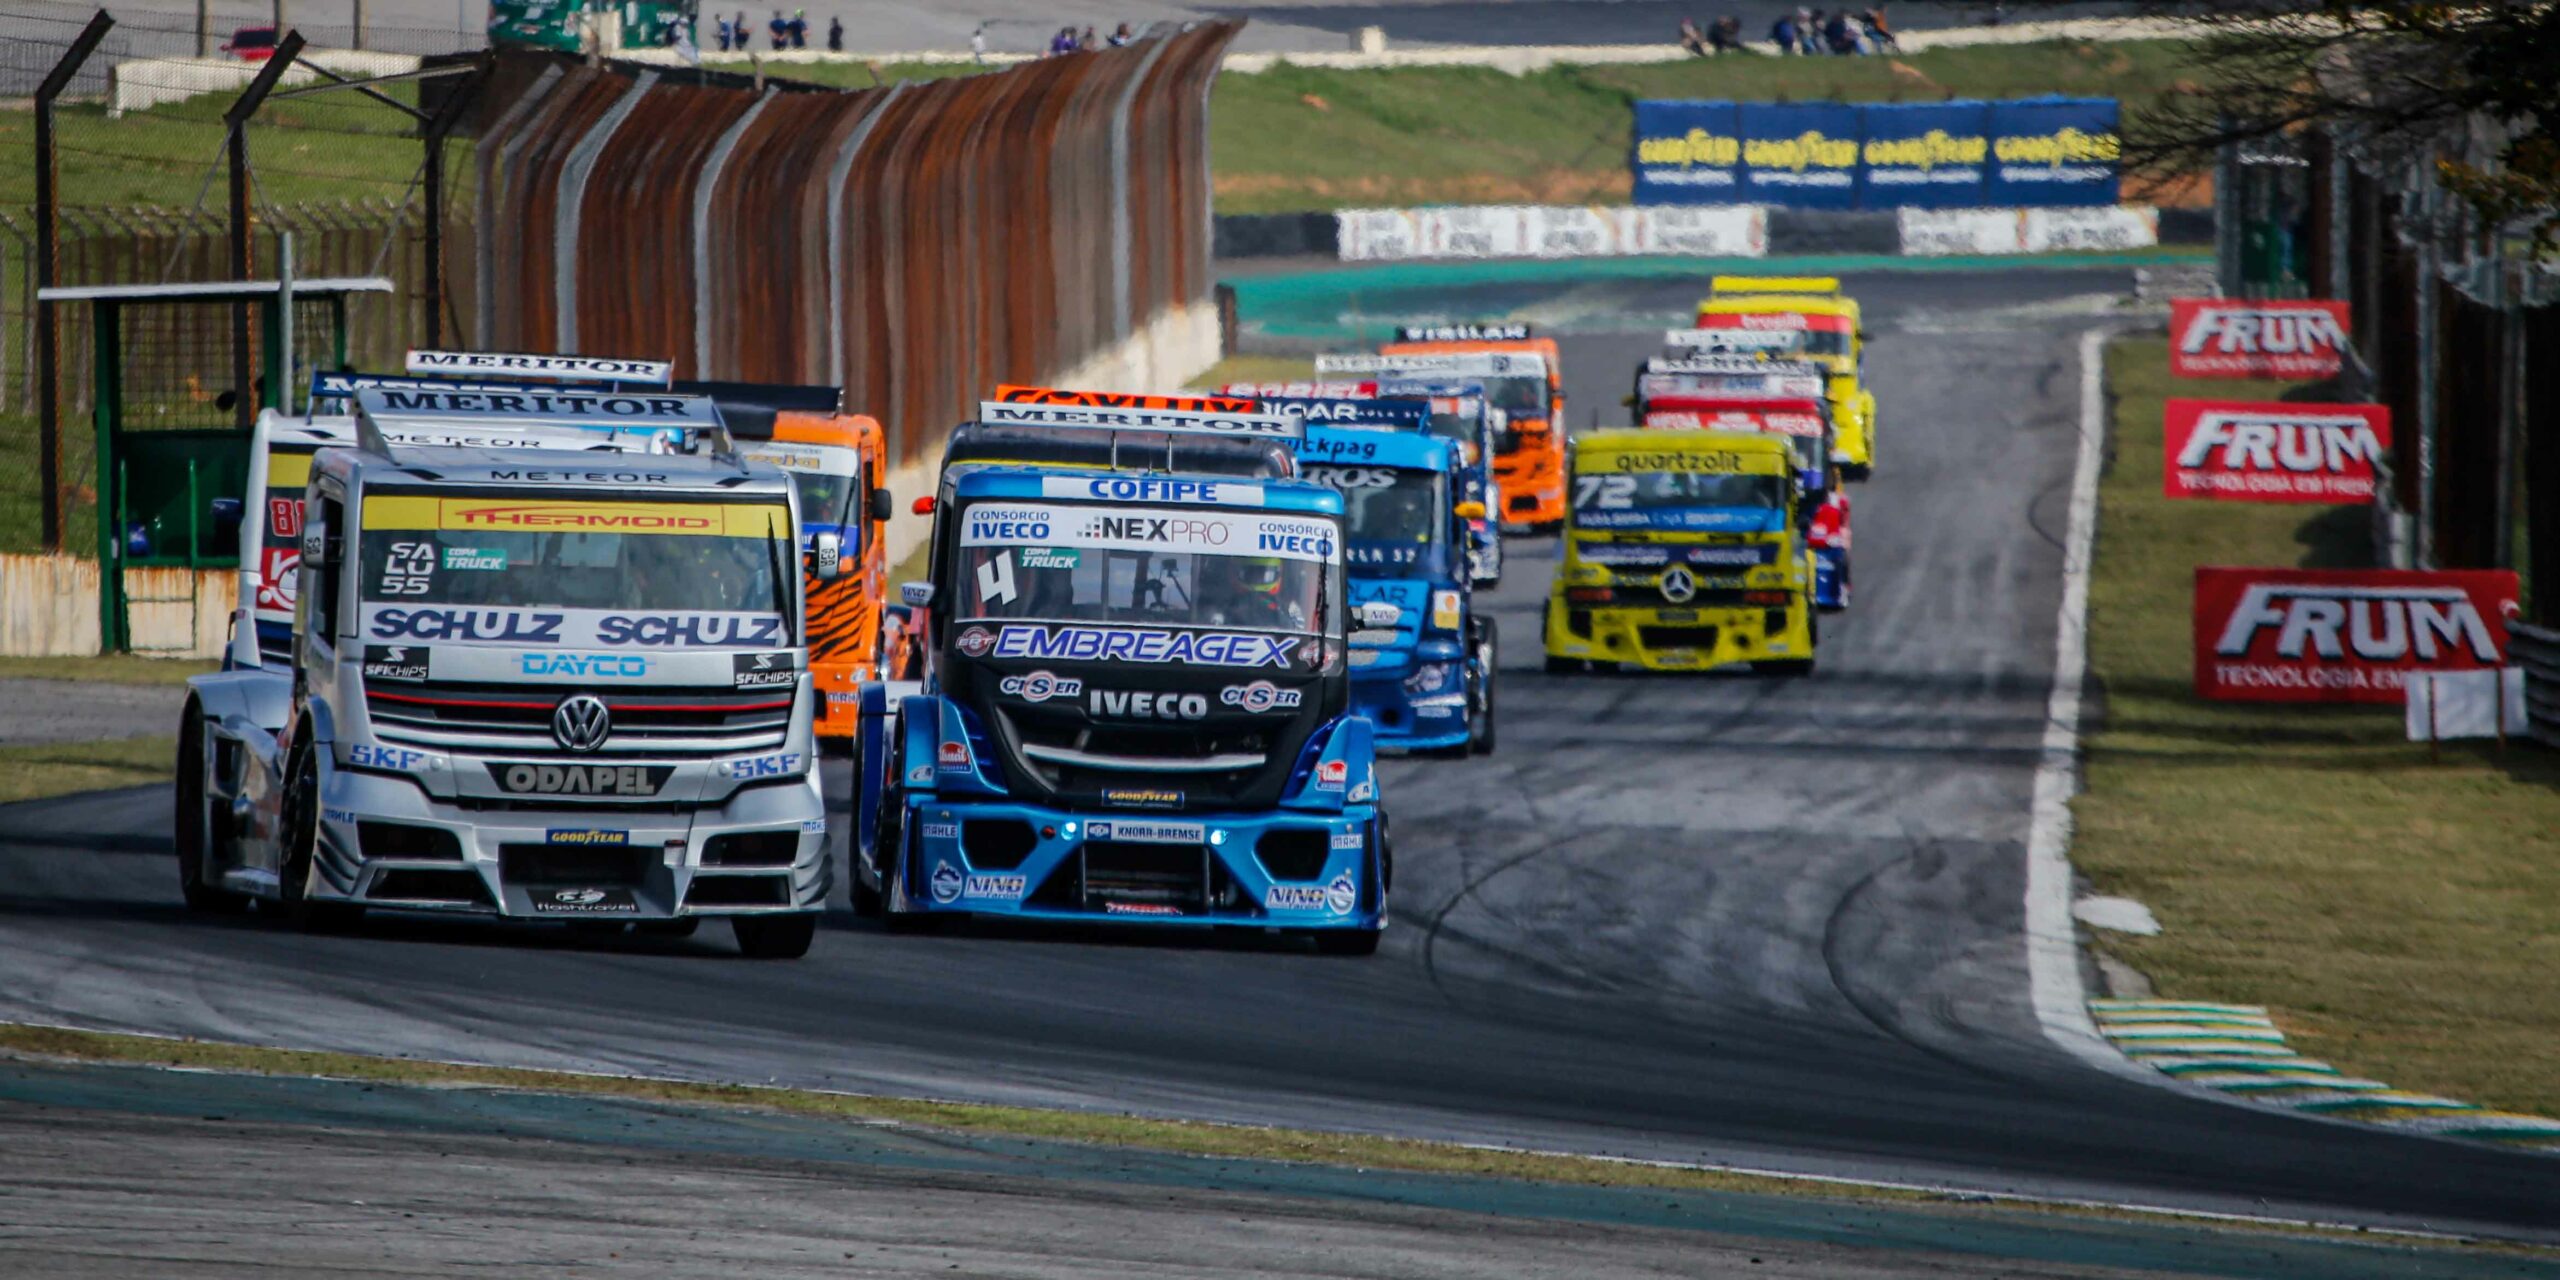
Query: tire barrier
[(913, 243)]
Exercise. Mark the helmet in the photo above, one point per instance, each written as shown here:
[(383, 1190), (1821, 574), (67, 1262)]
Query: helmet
[(1260, 574)]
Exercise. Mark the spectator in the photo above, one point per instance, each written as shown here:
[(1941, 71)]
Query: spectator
[(1692, 39), (978, 44), (1808, 31), (725, 28), (1726, 35), (1840, 35), (1064, 41), (780, 30), (1880, 31), (1122, 36), (835, 34), (1088, 42), (1782, 33), (799, 28)]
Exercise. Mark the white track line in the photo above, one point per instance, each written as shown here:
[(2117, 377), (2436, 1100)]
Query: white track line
[(2053, 940)]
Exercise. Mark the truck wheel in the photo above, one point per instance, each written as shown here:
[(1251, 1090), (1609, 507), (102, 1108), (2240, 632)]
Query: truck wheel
[(893, 886), (1348, 942), (193, 830), (300, 831), (1480, 736), (775, 937)]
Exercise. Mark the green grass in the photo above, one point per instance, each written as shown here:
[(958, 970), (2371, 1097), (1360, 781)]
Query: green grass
[(62, 768), (113, 668), (327, 147), (2400, 918)]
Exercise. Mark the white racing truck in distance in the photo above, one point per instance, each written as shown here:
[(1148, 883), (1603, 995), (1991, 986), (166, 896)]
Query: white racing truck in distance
[(560, 680)]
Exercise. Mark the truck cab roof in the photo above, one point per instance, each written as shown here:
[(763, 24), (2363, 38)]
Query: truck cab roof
[(1279, 493), (1371, 447)]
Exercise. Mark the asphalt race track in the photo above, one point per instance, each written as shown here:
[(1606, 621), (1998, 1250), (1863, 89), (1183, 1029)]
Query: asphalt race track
[(1754, 921)]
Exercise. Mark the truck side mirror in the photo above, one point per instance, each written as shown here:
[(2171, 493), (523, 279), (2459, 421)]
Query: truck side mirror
[(826, 555), (1471, 510), (881, 505), (918, 595)]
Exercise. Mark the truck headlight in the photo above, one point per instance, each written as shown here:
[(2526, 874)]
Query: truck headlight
[(1430, 677)]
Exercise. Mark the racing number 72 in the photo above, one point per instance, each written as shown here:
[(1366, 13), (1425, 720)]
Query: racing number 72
[(1606, 493)]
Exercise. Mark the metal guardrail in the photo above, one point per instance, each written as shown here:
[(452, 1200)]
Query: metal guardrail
[(2537, 650), (915, 244)]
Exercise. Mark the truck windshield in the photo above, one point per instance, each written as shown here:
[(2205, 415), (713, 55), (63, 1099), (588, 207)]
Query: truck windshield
[(1660, 490), (1519, 397), (1384, 505), (532, 553), (1166, 566), (826, 478)]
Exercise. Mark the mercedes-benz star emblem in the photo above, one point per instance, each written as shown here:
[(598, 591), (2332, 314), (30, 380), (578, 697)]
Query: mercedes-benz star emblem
[(581, 722), (1677, 585)]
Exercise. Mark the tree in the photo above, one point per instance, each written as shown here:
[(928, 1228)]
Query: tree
[(2475, 88)]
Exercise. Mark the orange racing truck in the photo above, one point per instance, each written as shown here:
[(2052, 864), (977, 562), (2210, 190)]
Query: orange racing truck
[(836, 461), (1528, 460)]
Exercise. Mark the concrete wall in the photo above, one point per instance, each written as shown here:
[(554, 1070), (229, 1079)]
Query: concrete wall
[(49, 608)]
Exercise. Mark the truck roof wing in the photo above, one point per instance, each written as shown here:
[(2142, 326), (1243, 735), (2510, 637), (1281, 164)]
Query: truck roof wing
[(1513, 332), (997, 444), (554, 417), (1713, 339), (749, 408), (1477, 364), (1805, 286), (507, 364), (1221, 424)]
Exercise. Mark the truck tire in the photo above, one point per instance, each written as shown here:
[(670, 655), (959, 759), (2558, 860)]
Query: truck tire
[(300, 831), (1480, 735), (193, 830), (775, 937), (1348, 942), (871, 897)]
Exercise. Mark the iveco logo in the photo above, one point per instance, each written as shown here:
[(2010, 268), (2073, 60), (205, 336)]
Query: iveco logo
[(1677, 585), (581, 722)]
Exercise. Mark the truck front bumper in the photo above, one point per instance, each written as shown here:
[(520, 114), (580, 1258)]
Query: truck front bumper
[(1281, 868), (1680, 639), (384, 843)]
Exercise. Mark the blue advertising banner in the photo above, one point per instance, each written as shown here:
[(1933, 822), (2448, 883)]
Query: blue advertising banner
[(1800, 154), (2053, 151), (1926, 155), (1688, 153), (1940, 155)]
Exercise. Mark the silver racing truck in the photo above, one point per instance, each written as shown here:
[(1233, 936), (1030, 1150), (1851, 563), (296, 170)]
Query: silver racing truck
[(557, 680)]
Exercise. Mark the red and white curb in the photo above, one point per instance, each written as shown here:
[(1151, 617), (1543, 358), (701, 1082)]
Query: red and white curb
[(2239, 1050)]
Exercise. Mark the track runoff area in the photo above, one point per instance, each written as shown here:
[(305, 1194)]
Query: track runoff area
[(1794, 923)]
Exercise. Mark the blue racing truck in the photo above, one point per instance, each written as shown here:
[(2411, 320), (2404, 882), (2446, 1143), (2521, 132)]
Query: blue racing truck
[(1426, 681), (1461, 412), (1136, 703)]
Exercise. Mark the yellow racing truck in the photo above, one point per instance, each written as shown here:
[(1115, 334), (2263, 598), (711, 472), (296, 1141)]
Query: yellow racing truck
[(1801, 318), (1683, 552)]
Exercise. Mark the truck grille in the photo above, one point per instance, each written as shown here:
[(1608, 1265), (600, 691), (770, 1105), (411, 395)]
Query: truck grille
[(560, 864), (516, 719), (1072, 754)]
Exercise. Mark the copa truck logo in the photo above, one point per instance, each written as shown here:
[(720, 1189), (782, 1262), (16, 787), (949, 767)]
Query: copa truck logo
[(2299, 635), (2218, 338)]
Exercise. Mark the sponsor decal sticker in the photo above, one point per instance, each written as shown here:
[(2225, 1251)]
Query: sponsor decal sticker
[(954, 757), (946, 882), (2293, 339), (2244, 451), (1342, 894), (1130, 644), (584, 666), (1331, 774), (1039, 686), (762, 671), (1463, 332), (1362, 792), (1226, 493), (813, 826), (975, 642), (572, 628), (1140, 831), (366, 755), (581, 779), (1260, 696), (782, 765), (2343, 635), (585, 836), (1006, 888), (921, 773), (941, 830), (395, 662), (343, 817), (585, 901), (1351, 839), (1293, 897), (1050, 557), (1142, 797), (475, 558)]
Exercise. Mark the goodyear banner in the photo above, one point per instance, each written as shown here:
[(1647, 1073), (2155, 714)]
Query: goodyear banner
[(2053, 151), (2037, 152)]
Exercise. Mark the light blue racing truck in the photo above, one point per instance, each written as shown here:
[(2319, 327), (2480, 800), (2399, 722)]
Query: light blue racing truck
[(1136, 704), (1427, 680)]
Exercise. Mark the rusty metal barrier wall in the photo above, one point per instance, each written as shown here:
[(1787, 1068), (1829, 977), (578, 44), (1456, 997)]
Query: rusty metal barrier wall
[(917, 243)]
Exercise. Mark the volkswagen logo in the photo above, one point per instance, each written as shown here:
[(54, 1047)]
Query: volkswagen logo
[(581, 722), (1677, 585)]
